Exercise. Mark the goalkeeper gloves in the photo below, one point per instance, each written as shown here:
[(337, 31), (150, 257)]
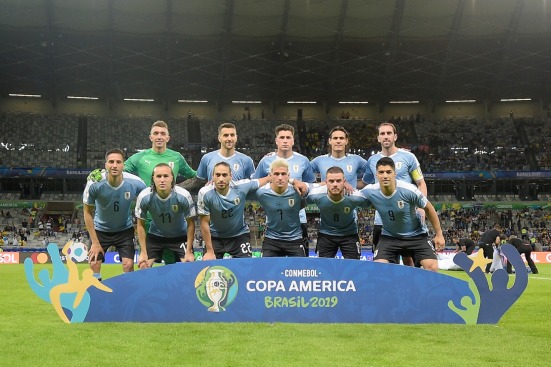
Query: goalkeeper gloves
[(95, 175)]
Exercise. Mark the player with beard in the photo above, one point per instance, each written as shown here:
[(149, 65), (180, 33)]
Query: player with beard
[(221, 208), (403, 233), (242, 165), (338, 228), (408, 169), (107, 212), (352, 165)]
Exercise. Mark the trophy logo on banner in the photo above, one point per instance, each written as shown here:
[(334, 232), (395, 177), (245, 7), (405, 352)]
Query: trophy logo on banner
[(216, 288)]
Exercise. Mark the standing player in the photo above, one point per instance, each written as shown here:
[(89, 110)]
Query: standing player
[(407, 166), (142, 164), (352, 165), (299, 167), (404, 233), (111, 224), (172, 213), (338, 227), (242, 165), (282, 204), (221, 208)]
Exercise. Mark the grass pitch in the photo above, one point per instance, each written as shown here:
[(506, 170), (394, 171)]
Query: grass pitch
[(33, 335)]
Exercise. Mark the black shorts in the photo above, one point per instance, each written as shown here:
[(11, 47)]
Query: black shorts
[(329, 245), (390, 248), (280, 248), (155, 245), (377, 229), (237, 247), (123, 241)]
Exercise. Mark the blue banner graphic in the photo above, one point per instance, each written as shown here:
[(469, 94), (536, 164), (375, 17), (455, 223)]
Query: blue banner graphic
[(301, 290)]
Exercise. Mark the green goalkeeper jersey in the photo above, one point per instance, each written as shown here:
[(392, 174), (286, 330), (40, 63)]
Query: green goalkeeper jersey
[(142, 164)]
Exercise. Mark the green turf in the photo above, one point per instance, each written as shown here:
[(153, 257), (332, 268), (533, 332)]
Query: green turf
[(33, 335)]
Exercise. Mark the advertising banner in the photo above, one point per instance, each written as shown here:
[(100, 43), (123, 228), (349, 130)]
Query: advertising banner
[(292, 289)]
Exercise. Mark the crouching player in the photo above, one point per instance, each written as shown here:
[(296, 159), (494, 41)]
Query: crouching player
[(173, 215), (403, 232)]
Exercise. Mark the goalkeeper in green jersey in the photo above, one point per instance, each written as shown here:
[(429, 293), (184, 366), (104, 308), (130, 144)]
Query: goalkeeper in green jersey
[(142, 164)]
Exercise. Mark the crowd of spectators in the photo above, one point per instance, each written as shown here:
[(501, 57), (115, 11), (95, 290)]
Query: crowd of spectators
[(539, 135), (469, 145), (460, 144)]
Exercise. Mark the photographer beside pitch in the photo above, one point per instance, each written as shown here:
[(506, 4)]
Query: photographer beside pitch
[(403, 232)]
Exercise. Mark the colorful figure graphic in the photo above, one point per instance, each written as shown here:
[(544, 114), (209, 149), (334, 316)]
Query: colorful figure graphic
[(491, 303), (65, 289)]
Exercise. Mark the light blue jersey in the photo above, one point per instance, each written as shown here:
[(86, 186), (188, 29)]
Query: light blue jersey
[(168, 216), (282, 212), (299, 168), (242, 165), (398, 210), (406, 165), (113, 213), (337, 217), (353, 166), (227, 213)]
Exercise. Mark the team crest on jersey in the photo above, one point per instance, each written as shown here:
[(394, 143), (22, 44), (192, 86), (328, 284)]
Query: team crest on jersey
[(347, 209), (175, 208), (398, 165), (171, 165), (236, 201), (291, 202), (400, 204), (127, 195), (348, 168), (235, 167), (295, 168)]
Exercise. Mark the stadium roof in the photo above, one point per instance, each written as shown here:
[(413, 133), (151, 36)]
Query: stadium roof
[(277, 50)]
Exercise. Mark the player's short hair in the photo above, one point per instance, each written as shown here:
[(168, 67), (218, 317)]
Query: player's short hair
[(153, 175), (387, 124), (335, 169), (284, 127), (278, 163), (222, 163), (114, 151), (338, 128), (226, 125), (159, 123), (386, 161)]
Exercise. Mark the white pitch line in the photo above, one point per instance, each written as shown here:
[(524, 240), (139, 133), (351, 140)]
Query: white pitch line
[(536, 277)]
